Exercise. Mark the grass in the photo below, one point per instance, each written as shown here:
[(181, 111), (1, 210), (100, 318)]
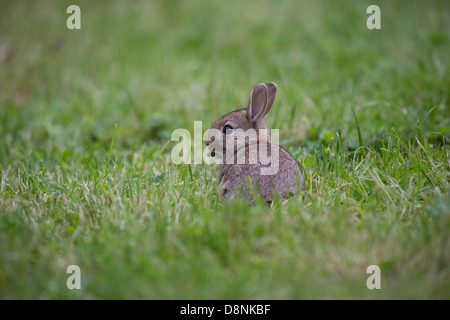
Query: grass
[(86, 177)]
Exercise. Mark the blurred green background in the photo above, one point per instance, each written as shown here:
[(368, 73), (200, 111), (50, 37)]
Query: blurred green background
[(84, 116), (152, 66)]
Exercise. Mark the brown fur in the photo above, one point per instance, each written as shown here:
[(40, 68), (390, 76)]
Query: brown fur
[(236, 177)]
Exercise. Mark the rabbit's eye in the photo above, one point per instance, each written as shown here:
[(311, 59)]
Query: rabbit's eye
[(227, 129)]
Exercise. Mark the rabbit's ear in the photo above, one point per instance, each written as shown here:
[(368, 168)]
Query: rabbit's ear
[(258, 102), (272, 92)]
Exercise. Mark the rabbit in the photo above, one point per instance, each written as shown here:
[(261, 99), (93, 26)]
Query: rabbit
[(242, 168)]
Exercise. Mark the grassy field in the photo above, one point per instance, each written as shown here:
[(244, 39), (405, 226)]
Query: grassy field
[(86, 118)]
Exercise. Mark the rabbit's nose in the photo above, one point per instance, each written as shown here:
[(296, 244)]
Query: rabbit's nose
[(209, 141)]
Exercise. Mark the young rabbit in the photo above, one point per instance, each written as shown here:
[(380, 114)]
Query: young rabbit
[(253, 164)]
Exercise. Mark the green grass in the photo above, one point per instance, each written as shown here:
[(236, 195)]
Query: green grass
[(86, 177)]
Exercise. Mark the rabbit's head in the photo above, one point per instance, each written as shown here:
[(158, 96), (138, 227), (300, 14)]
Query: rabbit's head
[(248, 123)]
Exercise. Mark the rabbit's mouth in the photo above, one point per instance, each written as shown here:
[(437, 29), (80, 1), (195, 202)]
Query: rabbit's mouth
[(214, 149)]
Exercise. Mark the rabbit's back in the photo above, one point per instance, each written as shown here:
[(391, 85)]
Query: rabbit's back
[(284, 176)]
